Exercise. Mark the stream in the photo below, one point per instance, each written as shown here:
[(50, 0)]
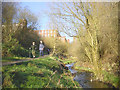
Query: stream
[(85, 79)]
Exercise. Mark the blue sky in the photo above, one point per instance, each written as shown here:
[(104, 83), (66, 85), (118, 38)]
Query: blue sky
[(40, 9)]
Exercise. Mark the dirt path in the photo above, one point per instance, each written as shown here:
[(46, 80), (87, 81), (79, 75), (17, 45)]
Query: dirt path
[(22, 60)]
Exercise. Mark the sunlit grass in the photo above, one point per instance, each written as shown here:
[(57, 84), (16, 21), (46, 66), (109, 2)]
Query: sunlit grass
[(15, 58), (38, 73), (111, 78), (10, 59)]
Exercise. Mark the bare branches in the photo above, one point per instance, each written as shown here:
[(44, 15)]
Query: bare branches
[(50, 78), (75, 14)]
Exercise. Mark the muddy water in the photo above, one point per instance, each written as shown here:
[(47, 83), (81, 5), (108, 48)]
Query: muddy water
[(86, 79)]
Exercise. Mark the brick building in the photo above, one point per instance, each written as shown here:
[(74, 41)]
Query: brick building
[(51, 33), (43, 33)]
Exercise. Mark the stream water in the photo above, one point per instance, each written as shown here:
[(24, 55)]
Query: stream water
[(86, 79)]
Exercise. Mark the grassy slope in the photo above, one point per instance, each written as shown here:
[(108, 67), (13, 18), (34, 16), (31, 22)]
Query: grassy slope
[(39, 73)]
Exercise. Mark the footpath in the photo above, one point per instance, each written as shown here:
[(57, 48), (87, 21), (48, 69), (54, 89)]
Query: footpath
[(22, 60)]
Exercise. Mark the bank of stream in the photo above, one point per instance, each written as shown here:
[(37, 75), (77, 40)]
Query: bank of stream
[(86, 78)]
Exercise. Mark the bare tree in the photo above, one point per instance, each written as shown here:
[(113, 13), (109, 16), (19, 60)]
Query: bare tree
[(90, 22)]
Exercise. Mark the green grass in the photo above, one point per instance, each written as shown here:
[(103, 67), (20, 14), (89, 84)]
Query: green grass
[(11, 59), (111, 78), (38, 73), (65, 61)]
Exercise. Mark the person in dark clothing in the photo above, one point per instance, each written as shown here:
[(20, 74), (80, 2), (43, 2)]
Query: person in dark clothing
[(33, 48), (48, 50), (41, 48)]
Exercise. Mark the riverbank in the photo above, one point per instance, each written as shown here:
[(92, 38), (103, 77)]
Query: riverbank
[(38, 73), (107, 77)]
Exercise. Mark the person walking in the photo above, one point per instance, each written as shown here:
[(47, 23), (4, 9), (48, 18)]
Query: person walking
[(41, 48), (33, 47), (48, 50)]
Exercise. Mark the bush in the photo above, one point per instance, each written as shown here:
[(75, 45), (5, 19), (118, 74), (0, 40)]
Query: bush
[(56, 46), (17, 42), (20, 51), (14, 49), (61, 49)]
